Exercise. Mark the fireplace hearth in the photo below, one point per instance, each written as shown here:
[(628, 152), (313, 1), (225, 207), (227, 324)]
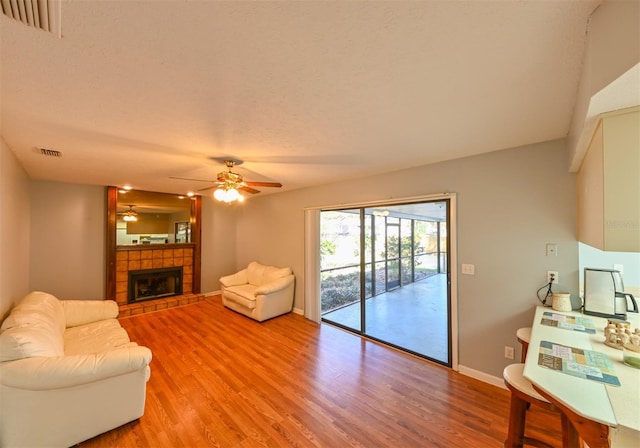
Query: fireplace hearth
[(151, 284)]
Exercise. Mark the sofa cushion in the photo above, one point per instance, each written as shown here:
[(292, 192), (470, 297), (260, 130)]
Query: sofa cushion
[(242, 294), (259, 274), (37, 308), (94, 337), (28, 341), (82, 312)]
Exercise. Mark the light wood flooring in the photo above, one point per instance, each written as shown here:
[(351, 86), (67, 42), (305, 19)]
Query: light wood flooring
[(219, 379)]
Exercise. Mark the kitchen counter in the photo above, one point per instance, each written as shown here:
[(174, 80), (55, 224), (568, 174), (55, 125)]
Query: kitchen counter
[(617, 407)]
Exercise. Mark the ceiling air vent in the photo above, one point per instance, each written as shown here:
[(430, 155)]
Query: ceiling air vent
[(41, 14), (50, 152)]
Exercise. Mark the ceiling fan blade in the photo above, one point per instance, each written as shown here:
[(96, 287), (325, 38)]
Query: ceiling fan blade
[(263, 184), (187, 178), (249, 189)]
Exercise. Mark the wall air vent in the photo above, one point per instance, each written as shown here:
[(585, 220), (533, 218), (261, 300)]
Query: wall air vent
[(50, 152), (41, 14)]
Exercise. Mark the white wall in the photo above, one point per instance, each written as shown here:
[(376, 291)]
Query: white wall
[(14, 230), (510, 204), (68, 228)]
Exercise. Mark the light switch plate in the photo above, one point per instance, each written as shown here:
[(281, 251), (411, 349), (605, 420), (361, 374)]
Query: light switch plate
[(468, 269)]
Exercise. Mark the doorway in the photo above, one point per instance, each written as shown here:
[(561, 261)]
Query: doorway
[(385, 274)]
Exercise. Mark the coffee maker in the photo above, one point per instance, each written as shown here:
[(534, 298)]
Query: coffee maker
[(604, 294)]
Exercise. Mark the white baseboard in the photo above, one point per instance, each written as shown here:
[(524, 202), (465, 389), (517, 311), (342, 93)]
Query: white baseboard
[(484, 377), (298, 311)]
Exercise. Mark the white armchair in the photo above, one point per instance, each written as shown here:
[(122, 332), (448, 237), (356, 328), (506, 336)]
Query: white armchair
[(258, 291)]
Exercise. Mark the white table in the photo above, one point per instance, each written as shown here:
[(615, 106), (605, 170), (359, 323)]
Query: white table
[(614, 408)]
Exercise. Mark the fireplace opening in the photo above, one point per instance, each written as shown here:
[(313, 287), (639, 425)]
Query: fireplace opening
[(150, 284)]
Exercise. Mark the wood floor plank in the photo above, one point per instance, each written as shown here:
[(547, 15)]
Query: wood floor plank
[(219, 379)]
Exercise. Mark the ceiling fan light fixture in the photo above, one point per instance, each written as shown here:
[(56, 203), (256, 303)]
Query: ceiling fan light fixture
[(232, 195), (219, 194), (228, 194), (130, 215)]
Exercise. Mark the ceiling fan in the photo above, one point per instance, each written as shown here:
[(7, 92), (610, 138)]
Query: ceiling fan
[(130, 215), (228, 180)]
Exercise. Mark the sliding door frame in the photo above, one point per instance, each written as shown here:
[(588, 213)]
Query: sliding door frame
[(312, 303)]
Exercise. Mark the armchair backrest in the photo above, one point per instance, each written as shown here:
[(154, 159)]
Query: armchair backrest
[(259, 274)]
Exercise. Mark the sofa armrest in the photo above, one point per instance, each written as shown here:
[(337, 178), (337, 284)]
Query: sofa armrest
[(239, 278), (82, 312), (45, 373), (275, 285)]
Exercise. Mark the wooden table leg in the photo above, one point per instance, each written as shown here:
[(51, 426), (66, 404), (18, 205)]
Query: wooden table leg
[(517, 415), (576, 428), (570, 436)]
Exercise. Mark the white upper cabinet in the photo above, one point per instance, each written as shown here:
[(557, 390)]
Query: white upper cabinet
[(609, 184)]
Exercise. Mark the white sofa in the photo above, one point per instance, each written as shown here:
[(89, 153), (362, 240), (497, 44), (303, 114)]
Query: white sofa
[(68, 372), (258, 291)]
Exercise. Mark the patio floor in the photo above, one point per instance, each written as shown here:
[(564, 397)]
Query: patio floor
[(414, 317)]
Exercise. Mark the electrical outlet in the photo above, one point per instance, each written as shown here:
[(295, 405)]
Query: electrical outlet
[(553, 274), (508, 352)]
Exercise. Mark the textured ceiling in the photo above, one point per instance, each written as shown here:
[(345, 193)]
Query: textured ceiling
[(305, 93)]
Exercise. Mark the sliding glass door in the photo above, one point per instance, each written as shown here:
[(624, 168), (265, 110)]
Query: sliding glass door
[(340, 274), (384, 274)]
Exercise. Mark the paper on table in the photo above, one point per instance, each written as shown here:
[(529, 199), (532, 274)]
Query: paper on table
[(566, 322), (586, 364)]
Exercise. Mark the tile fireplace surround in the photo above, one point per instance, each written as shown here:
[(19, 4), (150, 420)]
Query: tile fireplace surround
[(134, 259)]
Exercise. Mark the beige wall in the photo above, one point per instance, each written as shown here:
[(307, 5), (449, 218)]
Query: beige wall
[(613, 43), (14, 230), (609, 79), (218, 243), (510, 204), (68, 228), (68, 231)]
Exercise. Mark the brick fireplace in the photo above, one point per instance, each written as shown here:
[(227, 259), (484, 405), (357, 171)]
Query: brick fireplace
[(132, 259), (121, 259)]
